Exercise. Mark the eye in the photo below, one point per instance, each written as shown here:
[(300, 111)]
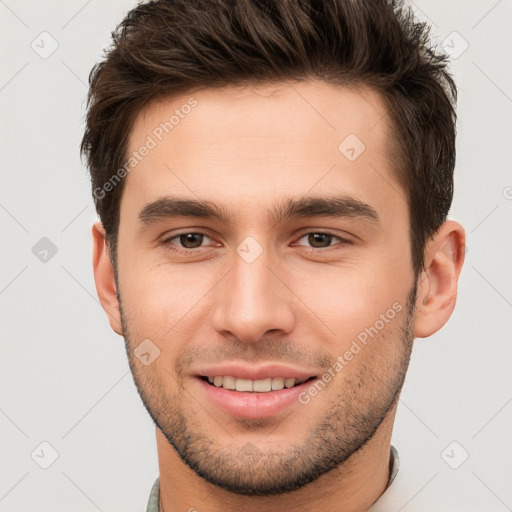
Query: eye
[(189, 241), (322, 240)]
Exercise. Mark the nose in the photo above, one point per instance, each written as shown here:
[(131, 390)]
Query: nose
[(253, 301)]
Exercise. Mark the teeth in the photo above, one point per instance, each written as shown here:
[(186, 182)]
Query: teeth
[(243, 384), (289, 383), (258, 386), (262, 386), (277, 383), (228, 382)]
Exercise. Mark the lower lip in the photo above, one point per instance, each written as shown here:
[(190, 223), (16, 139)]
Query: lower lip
[(253, 405)]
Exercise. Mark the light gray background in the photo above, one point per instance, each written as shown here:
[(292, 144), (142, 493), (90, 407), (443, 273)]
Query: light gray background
[(64, 375)]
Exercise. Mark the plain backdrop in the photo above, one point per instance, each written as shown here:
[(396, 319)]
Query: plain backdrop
[(68, 400)]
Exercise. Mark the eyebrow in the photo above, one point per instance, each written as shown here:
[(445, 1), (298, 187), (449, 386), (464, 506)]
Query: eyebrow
[(326, 206)]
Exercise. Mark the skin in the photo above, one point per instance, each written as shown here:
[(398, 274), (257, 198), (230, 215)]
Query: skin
[(246, 149)]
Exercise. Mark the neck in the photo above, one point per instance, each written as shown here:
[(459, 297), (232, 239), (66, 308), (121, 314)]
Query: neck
[(352, 487)]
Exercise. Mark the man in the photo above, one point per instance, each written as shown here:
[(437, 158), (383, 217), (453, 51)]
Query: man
[(273, 181)]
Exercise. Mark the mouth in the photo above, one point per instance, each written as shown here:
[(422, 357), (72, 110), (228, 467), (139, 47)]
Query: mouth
[(267, 385), (254, 392), (253, 399)]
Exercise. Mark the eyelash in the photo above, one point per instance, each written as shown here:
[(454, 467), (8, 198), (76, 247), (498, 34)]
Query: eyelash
[(171, 247)]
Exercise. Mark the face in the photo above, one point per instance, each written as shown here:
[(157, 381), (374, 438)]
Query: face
[(295, 264)]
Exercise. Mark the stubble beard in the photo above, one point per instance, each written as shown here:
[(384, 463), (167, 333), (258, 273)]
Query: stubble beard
[(349, 422)]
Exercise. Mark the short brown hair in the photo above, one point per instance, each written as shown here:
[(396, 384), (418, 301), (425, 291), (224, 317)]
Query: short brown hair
[(168, 47)]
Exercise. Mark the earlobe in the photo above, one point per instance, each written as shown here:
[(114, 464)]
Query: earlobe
[(437, 285), (104, 277)]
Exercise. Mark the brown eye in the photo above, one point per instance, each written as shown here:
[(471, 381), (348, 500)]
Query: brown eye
[(191, 240), (322, 242), (186, 243), (319, 240)]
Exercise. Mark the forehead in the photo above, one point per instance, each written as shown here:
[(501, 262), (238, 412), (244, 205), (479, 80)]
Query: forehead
[(313, 110), (241, 146)]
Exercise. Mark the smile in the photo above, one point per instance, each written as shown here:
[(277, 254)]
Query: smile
[(254, 386)]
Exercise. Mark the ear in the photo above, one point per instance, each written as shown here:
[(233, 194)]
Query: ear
[(104, 277), (437, 284)]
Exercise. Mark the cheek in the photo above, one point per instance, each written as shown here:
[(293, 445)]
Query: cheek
[(157, 297), (351, 298)]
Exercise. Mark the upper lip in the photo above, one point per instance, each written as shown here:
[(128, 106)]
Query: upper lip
[(266, 371)]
